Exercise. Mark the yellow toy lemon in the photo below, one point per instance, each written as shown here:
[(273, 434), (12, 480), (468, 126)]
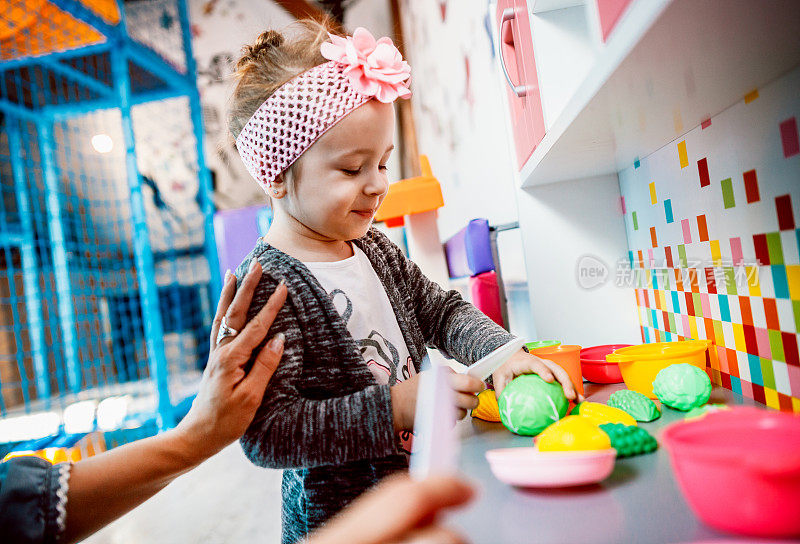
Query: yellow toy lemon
[(487, 408), (573, 433), (600, 413)]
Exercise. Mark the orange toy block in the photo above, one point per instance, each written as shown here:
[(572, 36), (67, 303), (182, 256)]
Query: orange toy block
[(410, 196)]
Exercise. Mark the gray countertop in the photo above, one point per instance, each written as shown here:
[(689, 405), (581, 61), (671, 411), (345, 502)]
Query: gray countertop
[(639, 502)]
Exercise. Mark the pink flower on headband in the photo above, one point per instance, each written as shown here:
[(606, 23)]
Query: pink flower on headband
[(374, 68)]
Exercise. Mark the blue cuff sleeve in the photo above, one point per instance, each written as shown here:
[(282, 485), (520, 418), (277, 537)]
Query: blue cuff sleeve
[(33, 496)]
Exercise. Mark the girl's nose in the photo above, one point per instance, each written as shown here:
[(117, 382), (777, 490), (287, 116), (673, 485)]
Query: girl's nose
[(377, 184)]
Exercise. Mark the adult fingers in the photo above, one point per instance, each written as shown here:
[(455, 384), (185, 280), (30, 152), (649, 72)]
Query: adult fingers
[(225, 298), (433, 534), (264, 367), (460, 414), (437, 492), (411, 502), (465, 383), (419, 501), (237, 311), (257, 328)]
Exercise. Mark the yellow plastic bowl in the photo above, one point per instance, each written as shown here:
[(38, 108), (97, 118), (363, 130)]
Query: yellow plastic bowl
[(640, 364)]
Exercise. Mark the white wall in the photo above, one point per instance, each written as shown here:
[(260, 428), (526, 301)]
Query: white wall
[(459, 116), (561, 223), (221, 29)]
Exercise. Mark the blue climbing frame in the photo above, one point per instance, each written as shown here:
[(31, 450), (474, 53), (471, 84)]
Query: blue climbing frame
[(108, 266)]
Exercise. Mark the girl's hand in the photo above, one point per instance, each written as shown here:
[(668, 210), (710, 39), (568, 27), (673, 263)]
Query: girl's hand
[(523, 362), (404, 403), (228, 396), (404, 398), (465, 389)]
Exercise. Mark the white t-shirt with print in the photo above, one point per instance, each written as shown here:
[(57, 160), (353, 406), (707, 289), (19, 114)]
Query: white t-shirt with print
[(361, 300)]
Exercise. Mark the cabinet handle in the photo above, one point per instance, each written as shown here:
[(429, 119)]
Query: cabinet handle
[(508, 15)]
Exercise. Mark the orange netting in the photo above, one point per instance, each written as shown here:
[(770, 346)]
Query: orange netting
[(37, 27)]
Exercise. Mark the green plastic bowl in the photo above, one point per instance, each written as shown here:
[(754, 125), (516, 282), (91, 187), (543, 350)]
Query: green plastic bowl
[(541, 344)]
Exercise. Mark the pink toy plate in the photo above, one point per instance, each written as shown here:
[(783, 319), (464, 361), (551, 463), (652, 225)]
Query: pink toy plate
[(529, 467)]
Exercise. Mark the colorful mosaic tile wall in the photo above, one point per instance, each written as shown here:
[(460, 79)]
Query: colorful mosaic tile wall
[(712, 224)]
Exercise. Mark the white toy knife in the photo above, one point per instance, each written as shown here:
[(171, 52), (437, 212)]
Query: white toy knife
[(485, 366)]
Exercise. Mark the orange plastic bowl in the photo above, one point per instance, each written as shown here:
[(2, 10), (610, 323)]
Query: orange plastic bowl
[(568, 358), (640, 364), (594, 366)]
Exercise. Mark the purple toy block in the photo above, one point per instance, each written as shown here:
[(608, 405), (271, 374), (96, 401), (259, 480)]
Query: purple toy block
[(236, 232), (469, 251)]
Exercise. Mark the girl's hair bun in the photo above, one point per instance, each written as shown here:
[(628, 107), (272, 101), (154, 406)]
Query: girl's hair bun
[(263, 44), (273, 59)]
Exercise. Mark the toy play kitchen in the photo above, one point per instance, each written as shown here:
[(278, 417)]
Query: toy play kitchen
[(624, 468), (662, 457), (657, 157)]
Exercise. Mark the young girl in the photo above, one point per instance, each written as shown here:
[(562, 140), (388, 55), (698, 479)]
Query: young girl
[(314, 121)]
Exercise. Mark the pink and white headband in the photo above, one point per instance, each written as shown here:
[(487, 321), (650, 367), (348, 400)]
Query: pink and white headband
[(305, 107)]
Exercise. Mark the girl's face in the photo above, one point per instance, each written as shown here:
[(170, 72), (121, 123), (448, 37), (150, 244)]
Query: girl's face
[(338, 183)]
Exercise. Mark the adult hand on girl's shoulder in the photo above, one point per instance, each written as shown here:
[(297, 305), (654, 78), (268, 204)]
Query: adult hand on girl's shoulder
[(228, 397), (399, 510), (523, 362)]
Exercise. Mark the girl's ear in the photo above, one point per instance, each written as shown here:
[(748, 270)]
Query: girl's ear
[(277, 189)]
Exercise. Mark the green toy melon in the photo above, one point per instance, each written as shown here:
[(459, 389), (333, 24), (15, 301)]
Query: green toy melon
[(629, 440), (637, 405), (682, 386), (529, 404)]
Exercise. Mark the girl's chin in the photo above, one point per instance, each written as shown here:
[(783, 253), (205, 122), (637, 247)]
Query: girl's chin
[(359, 229)]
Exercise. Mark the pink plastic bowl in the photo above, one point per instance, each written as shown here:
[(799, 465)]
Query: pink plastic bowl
[(594, 366), (529, 467), (739, 470)]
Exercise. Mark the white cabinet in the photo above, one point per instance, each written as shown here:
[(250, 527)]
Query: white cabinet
[(666, 66), (617, 80)]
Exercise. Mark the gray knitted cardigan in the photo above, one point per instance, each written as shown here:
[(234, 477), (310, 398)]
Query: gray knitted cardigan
[(323, 417)]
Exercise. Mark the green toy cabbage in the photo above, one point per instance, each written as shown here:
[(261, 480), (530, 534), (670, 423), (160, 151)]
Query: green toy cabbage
[(529, 404), (682, 386), (637, 405)]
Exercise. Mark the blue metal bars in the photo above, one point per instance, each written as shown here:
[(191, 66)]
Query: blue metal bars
[(108, 265)]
